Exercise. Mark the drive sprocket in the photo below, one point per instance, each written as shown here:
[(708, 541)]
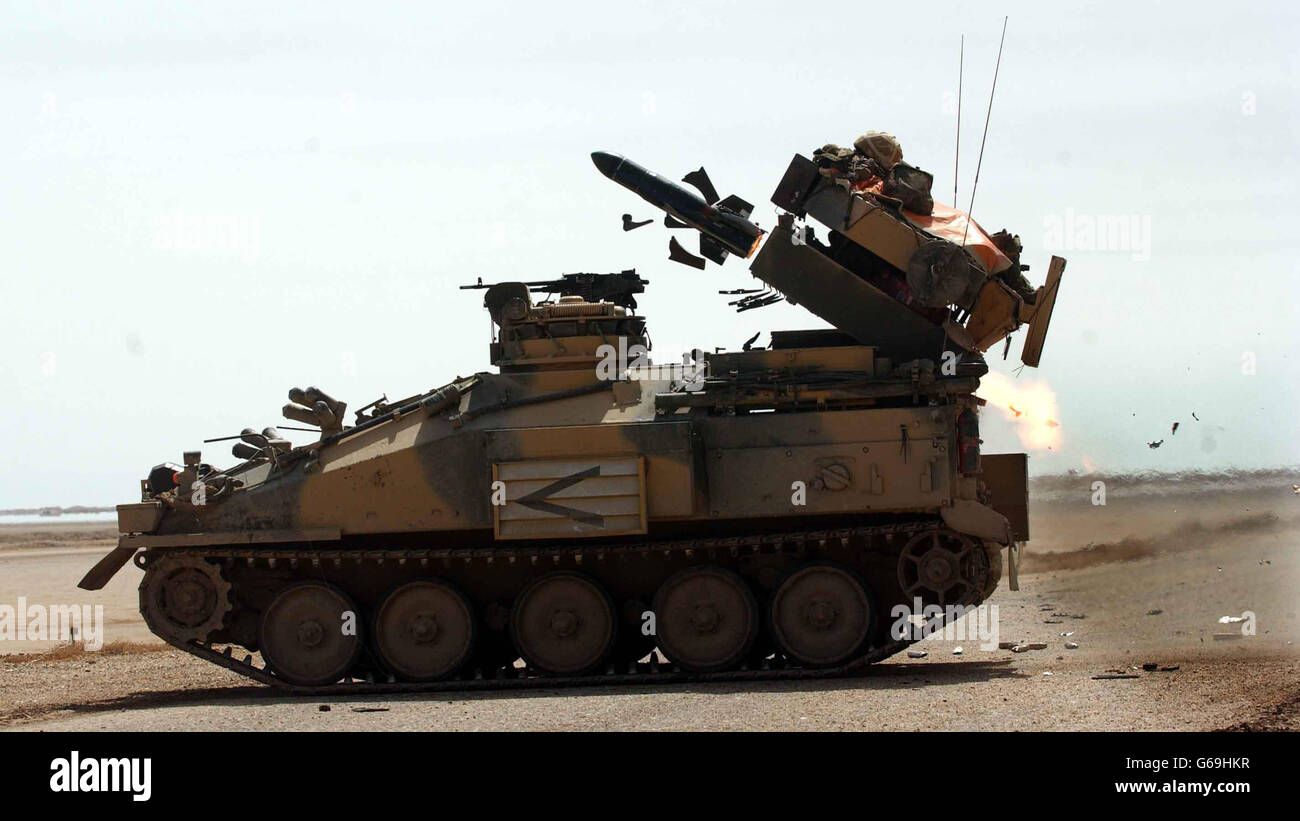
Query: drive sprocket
[(184, 598)]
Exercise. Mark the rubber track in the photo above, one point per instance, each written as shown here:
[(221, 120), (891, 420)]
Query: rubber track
[(512, 678)]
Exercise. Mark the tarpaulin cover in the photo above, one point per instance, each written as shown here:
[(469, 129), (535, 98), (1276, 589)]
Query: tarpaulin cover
[(950, 223)]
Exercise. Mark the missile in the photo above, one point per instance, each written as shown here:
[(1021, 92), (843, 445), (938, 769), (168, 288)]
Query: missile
[(723, 224)]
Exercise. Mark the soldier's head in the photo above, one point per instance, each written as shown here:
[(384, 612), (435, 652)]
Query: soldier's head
[(1007, 242)]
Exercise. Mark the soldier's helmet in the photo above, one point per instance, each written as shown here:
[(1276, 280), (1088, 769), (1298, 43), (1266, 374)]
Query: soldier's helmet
[(881, 147)]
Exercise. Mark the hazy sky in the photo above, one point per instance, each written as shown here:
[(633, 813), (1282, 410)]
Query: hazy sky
[(204, 207)]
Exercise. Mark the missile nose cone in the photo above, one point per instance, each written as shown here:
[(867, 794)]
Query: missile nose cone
[(607, 163)]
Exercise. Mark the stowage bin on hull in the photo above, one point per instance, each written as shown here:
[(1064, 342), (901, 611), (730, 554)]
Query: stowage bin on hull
[(746, 514)]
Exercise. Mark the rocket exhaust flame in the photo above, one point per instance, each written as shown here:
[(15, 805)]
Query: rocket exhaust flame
[(1028, 404)]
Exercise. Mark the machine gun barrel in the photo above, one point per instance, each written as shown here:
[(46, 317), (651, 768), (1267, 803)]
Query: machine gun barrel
[(619, 288)]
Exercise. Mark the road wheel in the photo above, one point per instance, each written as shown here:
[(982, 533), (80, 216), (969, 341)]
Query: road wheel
[(821, 615), (706, 619), (311, 634), (425, 630), (564, 623)]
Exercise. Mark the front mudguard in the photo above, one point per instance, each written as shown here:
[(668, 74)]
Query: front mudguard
[(108, 566)]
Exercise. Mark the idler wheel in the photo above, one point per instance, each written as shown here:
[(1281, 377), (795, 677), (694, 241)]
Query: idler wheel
[(184, 598), (563, 623), (821, 615), (302, 635), (993, 551), (944, 566), (425, 630), (706, 619)]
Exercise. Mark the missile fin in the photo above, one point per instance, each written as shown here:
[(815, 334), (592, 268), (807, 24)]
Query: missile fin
[(712, 249), (700, 179), (679, 254), (734, 203)]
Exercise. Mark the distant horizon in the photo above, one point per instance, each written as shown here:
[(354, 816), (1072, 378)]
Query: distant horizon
[(63, 510)]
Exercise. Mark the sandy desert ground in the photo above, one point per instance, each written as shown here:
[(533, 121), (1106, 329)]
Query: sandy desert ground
[(1141, 580)]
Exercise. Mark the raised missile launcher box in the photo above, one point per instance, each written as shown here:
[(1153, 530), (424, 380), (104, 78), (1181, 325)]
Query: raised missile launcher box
[(885, 238), (582, 515)]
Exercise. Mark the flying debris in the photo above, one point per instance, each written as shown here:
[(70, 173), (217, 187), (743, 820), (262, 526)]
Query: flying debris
[(1154, 445), (735, 291), (1194, 416), (749, 343), (1173, 429), (760, 301), (1016, 412), (630, 225), (679, 254), (1295, 489), (755, 299)]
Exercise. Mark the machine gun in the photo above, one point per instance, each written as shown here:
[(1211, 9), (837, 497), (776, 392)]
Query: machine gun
[(619, 288)]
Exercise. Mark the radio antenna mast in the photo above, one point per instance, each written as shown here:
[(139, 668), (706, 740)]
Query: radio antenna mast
[(987, 117), (956, 159)]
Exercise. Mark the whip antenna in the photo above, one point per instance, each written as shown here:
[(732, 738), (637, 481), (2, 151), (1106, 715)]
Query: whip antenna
[(956, 159), (987, 117)]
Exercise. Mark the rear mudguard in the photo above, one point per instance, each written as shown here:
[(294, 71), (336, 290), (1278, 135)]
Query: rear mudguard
[(975, 519)]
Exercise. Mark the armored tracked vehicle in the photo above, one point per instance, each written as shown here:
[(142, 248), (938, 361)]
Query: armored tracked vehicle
[(582, 515)]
